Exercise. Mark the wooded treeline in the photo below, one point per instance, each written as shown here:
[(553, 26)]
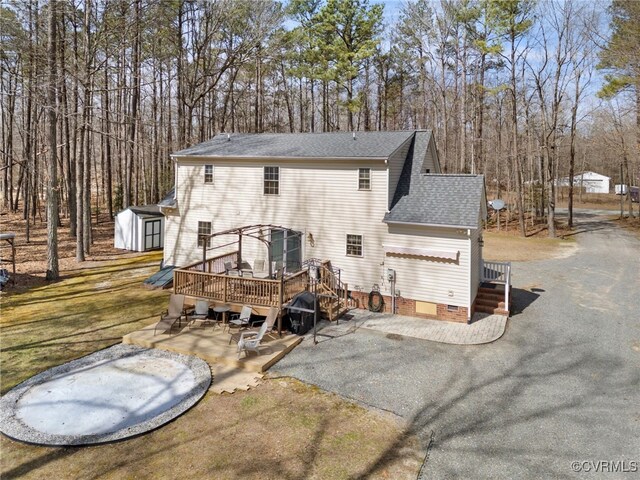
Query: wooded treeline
[(96, 95)]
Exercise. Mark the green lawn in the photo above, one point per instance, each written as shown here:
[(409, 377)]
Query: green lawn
[(281, 429), (88, 310)]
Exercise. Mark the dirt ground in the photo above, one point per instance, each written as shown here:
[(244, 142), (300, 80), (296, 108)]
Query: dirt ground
[(31, 257)]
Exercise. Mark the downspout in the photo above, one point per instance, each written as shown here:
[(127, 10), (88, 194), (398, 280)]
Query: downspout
[(175, 178)]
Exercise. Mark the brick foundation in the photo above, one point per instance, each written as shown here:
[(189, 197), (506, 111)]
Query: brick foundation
[(407, 307)]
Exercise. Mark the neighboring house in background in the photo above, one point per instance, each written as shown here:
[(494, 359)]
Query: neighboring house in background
[(592, 182), (139, 228), (368, 202)]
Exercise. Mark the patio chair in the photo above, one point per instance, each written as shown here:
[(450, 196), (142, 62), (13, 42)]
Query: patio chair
[(258, 269), (201, 312), (240, 320), (173, 314), (230, 268), (251, 340), (270, 320)]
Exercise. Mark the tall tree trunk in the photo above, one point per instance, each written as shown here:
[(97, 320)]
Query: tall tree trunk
[(514, 139), (53, 272), (107, 143)]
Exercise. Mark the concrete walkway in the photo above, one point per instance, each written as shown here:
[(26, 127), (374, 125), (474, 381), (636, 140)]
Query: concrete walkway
[(484, 328)]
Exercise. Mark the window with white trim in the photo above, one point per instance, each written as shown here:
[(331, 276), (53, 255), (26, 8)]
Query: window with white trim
[(364, 179), (204, 228), (354, 245), (208, 174), (271, 180)]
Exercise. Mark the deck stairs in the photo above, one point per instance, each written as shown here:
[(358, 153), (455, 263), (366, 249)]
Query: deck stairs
[(325, 281)]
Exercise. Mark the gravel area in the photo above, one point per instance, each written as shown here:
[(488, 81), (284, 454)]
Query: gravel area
[(561, 386), (109, 395)]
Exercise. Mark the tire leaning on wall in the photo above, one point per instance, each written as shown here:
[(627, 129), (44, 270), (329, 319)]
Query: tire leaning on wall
[(376, 301)]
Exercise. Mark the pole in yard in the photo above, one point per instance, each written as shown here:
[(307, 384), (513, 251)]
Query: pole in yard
[(315, 311), (621, 191)]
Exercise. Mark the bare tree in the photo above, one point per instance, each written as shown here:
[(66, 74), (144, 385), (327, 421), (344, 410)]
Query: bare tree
[(52, 184)]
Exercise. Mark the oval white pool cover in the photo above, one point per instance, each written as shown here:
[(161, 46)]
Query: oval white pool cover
[(109, 395)]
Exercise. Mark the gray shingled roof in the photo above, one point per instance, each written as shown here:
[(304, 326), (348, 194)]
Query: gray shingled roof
[(168, 200), (301, 145), (451, 200), (151, 210)]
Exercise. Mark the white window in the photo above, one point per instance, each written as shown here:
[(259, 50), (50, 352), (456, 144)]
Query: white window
[(208, 174), (364, 179), (204, 228), (354, 245), (271, 180)]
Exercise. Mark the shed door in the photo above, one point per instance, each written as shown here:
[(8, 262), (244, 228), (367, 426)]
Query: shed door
[(151, 234)]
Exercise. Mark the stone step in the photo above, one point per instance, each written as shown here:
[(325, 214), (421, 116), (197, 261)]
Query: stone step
[(491, 310), (490, 302), (492, 296), (499, 290)]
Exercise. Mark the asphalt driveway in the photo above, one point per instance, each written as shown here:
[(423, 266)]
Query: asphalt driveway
[(561, 386)]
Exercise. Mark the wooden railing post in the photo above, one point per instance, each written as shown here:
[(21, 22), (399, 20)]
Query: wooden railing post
[(280, 302), (224, 292), (346, 294)]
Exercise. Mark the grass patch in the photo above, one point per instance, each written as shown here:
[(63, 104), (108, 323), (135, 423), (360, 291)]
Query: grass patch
[(505, 247), (88, 310), (282, 429)]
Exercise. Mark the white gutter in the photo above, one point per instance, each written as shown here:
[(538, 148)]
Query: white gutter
[(275, 158), (460, 227)]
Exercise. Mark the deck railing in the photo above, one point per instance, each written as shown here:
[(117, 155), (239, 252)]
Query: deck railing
[(215, 264), (232, 289), (498, 272)]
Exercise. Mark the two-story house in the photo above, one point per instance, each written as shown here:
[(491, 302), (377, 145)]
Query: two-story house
[(373, 203)]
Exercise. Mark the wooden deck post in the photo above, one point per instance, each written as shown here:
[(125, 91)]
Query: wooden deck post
[(224, 292), (280, 302)]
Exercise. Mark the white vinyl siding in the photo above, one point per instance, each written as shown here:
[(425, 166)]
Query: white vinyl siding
[(431, 279), (319, 199)]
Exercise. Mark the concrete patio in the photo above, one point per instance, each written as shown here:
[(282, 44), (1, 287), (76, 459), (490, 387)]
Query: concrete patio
[(211, 344)]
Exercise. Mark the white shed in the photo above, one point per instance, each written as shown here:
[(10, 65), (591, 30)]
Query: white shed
[(139, 229), (592, 182)]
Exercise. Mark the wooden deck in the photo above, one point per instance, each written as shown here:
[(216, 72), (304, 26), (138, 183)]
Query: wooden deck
[(212, 345), (207, 280)]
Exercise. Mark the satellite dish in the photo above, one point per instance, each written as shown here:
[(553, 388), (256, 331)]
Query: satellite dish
[(497, 204)]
